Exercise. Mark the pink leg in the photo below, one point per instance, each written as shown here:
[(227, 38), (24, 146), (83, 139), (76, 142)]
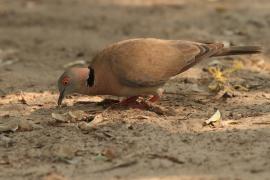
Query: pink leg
[(154, 98), (133, 103), (129, 100), (144, 105)]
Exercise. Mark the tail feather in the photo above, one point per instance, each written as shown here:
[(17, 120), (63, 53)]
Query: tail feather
[(238, 50)]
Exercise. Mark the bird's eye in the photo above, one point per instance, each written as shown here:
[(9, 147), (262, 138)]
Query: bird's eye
[(65, 81)]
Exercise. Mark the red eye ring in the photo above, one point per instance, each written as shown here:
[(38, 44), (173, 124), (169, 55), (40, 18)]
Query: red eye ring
[(65, 81)]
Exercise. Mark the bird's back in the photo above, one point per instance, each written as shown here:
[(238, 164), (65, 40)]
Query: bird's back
[(147, 62)]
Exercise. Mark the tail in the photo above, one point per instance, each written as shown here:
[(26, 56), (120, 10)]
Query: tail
[(238, 50)]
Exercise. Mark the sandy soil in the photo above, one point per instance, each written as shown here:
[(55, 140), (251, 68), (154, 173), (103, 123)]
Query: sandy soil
[(38, 37)]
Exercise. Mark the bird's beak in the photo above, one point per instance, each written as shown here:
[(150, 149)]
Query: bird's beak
[(61, 97)]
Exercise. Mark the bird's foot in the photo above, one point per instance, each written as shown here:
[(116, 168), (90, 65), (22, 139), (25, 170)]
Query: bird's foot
[(154, 98), (133, 102), (138, 102), (129, 100)]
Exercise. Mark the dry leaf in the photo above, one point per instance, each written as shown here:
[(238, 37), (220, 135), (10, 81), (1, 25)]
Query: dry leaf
[(60, 117), (266, 95), (26, 125), (214, 118), (91, 125), (8, 57), (77, 115), (85, 126), (98, 119), (72, 116), (109, 153), (8, 62), (140, 117), (11, 125), (18, 124), (89, 100)]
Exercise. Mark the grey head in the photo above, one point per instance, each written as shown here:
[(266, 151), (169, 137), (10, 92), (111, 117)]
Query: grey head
[(73, 80)]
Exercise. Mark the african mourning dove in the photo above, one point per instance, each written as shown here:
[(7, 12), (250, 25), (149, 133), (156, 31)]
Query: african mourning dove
[(139, 67)]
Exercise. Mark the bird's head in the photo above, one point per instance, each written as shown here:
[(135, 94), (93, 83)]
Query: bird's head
[(74, 80)]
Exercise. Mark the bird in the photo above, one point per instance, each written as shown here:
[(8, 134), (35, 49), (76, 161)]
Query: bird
[(140, 67)]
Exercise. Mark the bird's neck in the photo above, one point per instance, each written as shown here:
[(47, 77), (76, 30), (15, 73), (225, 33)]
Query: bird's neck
[(84, 87)]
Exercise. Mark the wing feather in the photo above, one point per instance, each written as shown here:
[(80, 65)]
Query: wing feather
[(151, 62)]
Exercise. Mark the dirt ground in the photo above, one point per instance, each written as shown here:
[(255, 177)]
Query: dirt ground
[(39, 37)]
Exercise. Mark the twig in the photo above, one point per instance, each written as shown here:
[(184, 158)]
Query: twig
[(170, 158), (262, 123), (187, 93), (123, 165)]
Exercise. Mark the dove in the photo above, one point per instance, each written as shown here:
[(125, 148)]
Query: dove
[(140, 67)]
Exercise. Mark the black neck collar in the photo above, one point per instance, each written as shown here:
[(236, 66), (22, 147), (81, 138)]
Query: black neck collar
[(91, 77)]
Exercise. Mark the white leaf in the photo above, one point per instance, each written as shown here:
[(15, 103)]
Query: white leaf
[(214, 118)]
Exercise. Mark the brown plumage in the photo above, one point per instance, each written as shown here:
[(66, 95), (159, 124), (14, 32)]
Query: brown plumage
[(141, 66)]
